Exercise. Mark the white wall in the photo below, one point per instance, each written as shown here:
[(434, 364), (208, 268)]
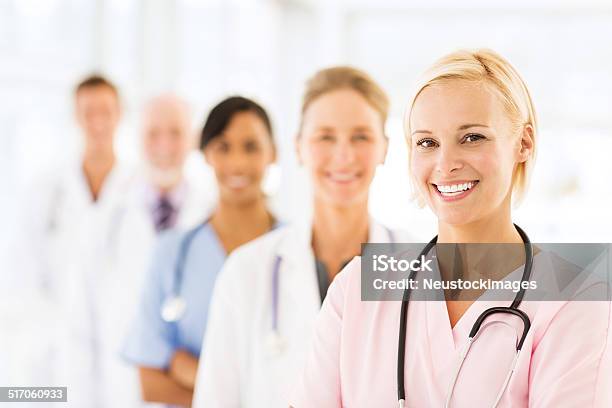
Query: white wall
[(206, 50)]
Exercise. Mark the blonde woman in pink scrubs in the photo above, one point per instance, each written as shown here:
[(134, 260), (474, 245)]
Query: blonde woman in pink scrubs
[(471, 131)]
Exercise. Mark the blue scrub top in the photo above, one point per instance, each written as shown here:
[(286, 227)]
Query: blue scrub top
[(151, 341)]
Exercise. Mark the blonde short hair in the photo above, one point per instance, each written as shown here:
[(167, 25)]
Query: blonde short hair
[(488, 67), (343, 77)]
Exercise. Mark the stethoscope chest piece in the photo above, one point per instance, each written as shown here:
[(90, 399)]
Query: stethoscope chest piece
[(174, 306), (173, 309), (275, 344)]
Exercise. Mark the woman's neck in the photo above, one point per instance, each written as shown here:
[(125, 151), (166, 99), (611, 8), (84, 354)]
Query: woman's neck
[(495, 228), (237, 224), (337, 233)]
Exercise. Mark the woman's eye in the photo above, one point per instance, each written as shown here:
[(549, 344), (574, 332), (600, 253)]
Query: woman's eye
[(251, 147), (473, 137), (361, 137), (326, 138), (222, 147), (426, 143)]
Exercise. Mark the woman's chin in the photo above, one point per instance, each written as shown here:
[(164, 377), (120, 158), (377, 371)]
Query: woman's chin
[(455, 218), (343, 199), (241, 196)]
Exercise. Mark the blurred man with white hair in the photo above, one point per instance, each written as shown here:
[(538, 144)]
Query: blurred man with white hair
[(162, 196), (167, 139)]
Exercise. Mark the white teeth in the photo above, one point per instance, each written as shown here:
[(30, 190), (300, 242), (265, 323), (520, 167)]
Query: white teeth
[(454, 189)]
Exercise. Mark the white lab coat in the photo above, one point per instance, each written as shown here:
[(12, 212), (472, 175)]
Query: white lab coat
[(238, 368), (79, 253), (113, 301), (57, 211), (63, 236), (91, 263)]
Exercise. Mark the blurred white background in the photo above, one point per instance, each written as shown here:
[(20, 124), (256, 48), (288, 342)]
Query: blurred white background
[(206, 50), (265, 49)]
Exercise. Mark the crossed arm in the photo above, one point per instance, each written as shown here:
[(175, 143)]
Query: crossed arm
[(172, 386)]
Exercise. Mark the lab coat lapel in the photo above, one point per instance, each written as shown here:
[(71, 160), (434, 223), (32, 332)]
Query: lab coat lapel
[(298, 265), (194, 209), (116, 186), (298, 261), (378, 233), (113, 190)]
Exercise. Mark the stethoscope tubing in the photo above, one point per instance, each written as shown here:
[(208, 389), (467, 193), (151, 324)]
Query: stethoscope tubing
[(276, 288), (179, 266), (172, 301), (512, 309), (275, 291)]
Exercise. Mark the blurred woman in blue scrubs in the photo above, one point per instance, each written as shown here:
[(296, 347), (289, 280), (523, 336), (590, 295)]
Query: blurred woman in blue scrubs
[(166, 336)]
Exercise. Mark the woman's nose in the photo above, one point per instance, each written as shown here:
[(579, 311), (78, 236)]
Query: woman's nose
[(344, 152), (238, 160), (449, 160)]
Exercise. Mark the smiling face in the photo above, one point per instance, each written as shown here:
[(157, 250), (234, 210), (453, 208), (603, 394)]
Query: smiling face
[(464, 151), (97, 113), (239, 157), (166, 139), (340, 144)]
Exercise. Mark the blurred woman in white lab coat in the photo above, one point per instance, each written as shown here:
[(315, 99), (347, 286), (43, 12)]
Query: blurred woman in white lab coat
[(165, 339), (270, 291)]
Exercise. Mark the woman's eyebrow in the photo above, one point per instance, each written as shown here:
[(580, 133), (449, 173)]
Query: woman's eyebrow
[(471, 125), (462, 127)]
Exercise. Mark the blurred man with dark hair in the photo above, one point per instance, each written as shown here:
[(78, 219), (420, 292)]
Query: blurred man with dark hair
[(97, 111), (71, 221), (88, 232)]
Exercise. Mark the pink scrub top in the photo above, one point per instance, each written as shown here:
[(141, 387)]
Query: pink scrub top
[(566, 360)]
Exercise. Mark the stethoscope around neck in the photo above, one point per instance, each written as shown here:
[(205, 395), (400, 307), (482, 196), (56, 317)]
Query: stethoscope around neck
[(174, 306), (275, 342), (478, 324)]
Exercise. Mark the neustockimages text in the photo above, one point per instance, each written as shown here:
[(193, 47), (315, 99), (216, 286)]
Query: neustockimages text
[(385, 263)]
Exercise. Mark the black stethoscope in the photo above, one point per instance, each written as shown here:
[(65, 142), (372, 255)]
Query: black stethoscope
[(512, 309)]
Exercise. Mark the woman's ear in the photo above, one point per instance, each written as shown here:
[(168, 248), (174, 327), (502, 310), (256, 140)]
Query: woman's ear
[(527, 143)]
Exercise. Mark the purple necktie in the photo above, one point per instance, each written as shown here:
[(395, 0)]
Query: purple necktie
[(163, 214)]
